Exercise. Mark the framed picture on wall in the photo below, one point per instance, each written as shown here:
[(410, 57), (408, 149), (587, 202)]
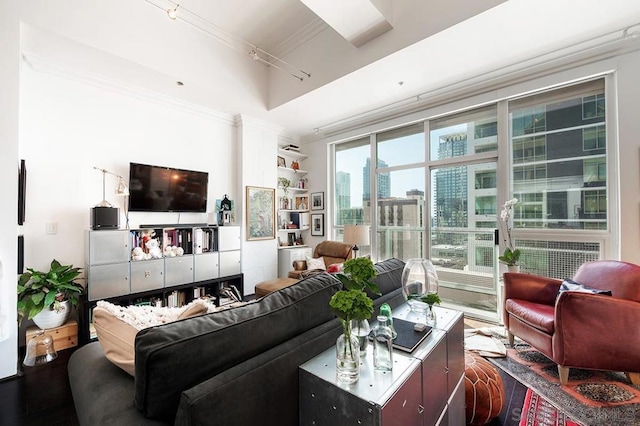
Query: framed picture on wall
[(317, 201), (317, 224), (260, 213)]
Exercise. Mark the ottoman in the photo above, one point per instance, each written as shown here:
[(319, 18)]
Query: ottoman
[(483, 390), (266, 287)]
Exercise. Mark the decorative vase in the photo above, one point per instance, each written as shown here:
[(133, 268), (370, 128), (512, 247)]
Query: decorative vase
[(361, 330), (419, 278), (430, 315), (49, 318), (347, 357), (513, 268)]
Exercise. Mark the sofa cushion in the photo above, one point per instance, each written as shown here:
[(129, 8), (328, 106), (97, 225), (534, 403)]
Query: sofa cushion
[(313, 263), (117, 326), (175, 357), (537, 315), (389, 276)]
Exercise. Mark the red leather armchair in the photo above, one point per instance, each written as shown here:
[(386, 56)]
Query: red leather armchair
[(576, 329)]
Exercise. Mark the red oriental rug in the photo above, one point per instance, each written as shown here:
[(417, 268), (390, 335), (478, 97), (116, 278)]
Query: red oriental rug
[(538, 412)]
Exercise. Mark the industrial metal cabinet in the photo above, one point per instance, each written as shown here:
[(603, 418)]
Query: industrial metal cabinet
[(377, 398), (206, 266), (107, 263), (147, 275), (178, 270), (427, 390)]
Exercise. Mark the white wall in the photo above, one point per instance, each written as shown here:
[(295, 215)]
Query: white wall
[(68, 126), (317, 165), (258, 147), (9, 83)]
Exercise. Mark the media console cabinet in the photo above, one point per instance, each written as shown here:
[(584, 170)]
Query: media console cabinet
[(208, 263)]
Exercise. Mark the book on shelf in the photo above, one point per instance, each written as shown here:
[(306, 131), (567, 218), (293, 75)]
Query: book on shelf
[(291, 147)]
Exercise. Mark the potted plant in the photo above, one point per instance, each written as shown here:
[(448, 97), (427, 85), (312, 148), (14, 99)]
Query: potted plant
[(284, 183), (511, 255), (45, 296), (352, 304)]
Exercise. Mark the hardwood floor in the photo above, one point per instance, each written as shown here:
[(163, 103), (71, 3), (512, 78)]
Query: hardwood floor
[(41, 396)]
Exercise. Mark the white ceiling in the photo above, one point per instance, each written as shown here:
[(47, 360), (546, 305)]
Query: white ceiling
[(433, 44)]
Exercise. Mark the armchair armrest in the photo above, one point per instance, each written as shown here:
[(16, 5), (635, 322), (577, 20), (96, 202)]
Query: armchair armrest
[(596, 331), (533, 288)]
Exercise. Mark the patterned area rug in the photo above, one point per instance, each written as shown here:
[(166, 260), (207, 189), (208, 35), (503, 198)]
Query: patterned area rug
[(536, 411), (590, 397)]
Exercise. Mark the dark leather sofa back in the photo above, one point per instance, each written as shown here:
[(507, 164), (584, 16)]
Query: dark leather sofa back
[(175, 357)]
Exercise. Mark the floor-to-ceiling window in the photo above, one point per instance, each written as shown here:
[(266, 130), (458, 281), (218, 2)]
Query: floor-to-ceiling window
[(439, 194)]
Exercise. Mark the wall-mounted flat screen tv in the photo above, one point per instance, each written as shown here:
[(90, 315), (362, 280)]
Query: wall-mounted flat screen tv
[(165, 189)]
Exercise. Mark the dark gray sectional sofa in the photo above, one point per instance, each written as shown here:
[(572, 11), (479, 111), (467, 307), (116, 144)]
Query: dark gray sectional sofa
[(234, 367)]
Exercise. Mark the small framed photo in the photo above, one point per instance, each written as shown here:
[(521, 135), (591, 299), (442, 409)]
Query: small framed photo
[(281, 162), (317, 224), (301, 202), (317, 201)]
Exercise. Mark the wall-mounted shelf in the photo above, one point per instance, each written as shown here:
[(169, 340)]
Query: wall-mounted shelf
[(292, 154), (292, 171)]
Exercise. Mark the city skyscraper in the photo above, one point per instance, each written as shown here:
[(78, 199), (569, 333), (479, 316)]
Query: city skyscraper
[(383, 181), (343, 191)]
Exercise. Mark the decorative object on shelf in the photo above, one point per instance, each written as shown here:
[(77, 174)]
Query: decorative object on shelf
[(511, 255), (356, 235), (46, 292), (40, 350), (317, 224), (121, 188), (302, 183), (295, 165), (382, 345), (419, 278), (351, 304), (317, 201), (302, 202), (260, 213), (224, 207), (281, 162)]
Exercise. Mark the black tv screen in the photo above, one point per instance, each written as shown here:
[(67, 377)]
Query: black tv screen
[(165, 189)]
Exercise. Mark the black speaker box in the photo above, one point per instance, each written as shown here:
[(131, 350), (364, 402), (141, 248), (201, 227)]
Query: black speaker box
[(105, 218)]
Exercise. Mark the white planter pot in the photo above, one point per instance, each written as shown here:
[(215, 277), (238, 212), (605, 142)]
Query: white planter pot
[(48, 318)]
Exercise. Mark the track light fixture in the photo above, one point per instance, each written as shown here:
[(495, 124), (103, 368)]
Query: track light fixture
[(228, 39), (173, 12)]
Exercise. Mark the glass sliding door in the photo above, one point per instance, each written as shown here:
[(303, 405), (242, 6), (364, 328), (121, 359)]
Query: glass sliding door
[(351, 196), (463, 207), (400, 193)]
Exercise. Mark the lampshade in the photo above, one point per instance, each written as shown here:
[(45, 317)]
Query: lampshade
[(357, 235), (40, 350), (122, 188)]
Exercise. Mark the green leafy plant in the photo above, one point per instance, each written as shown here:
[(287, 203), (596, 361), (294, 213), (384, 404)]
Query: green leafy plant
[(284, 183), (38, 290), (353, 303), (431, 299)]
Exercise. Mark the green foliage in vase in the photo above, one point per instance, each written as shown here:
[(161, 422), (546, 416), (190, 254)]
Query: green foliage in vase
[(431, 299), (38, 290), (359, 274)]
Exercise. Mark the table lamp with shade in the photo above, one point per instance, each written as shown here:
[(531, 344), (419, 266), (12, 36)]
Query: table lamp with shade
[(104, 215), (356, 235)]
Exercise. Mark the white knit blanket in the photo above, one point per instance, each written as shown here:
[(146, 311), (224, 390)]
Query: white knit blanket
[(140, 317)]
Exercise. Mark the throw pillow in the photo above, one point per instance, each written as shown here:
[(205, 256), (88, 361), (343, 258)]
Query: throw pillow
[(570, 285), (117, 326), (335, 268), (313, 263)]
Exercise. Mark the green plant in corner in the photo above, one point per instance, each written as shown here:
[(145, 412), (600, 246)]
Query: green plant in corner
[(284, 183), (353, 303), (38, 290)]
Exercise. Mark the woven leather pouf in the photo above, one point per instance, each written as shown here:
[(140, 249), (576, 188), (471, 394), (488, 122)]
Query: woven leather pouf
[(483, 390)]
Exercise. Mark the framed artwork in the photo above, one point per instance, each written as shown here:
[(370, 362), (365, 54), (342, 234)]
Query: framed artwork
[(301, 202), (317, 201), (281, 162), (260, 213), (317, 224)]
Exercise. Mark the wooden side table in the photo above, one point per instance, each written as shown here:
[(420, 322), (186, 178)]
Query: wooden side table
[(65, 336)]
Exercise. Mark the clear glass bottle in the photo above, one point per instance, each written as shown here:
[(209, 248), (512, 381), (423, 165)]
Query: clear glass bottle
[(361, 330), (382, 345), (385, 310)]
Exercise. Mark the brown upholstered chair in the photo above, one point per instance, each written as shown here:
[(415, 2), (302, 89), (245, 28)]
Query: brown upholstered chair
[(577, 329), (330, 251)]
